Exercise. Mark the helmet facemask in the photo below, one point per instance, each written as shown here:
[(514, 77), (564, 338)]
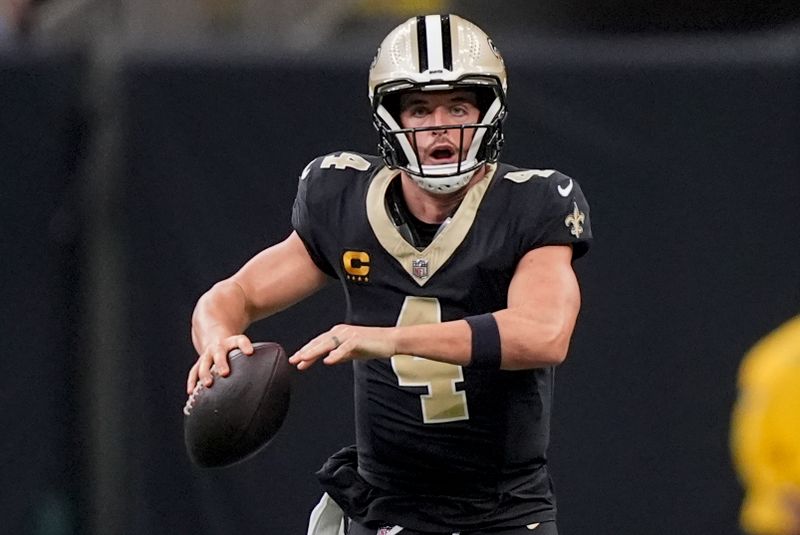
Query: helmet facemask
[(399, 147)]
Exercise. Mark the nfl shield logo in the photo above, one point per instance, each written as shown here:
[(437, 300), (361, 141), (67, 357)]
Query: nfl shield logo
[(420, 268)]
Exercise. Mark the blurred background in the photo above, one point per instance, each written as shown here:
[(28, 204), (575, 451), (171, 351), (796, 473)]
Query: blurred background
[(149, 148)]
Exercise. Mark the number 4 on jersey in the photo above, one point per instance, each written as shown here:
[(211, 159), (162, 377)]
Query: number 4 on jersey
[(345, 160), (442, 403)]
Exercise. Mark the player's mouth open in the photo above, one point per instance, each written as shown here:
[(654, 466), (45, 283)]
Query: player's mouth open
[(443, 154)]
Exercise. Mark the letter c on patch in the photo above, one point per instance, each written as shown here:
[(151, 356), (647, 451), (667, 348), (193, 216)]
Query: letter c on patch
[(356, 263)]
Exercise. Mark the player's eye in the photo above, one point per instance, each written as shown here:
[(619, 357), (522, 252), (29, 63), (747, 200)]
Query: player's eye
[(419, 111)]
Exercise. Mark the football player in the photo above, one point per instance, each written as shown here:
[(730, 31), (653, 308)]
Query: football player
[(765, 433), (460, 290)]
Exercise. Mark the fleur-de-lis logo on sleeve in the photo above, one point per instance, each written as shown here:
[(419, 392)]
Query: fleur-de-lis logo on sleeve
[(574, 221)]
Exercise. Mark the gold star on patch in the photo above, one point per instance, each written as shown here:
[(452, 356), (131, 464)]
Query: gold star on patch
[(574, 221)]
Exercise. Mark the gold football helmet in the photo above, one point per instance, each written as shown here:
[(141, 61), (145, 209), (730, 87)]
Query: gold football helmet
[(435, 53)]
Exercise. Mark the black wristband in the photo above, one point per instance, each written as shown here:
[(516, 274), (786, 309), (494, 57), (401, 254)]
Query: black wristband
[(485, 342)]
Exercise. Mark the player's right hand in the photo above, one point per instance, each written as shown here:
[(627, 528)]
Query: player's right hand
[(214, 360)]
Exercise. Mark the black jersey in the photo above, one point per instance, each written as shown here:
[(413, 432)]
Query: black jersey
[(438, 444)]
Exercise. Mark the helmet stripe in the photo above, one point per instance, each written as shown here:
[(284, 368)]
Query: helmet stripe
[(433, 31), (447, 43), (422, 45)]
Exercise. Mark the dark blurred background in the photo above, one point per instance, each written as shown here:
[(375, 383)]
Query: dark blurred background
[(149, 148)]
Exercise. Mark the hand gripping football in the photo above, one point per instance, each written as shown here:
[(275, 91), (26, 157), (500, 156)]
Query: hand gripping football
[(238, 415)]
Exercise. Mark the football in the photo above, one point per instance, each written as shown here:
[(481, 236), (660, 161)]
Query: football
[(238, 415)]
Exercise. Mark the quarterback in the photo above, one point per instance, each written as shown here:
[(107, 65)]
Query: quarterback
[(460, 291)]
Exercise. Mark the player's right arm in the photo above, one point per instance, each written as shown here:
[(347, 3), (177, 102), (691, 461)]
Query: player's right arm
[(271, 281)]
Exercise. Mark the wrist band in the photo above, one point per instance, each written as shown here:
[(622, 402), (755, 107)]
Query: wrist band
[(485, 342)]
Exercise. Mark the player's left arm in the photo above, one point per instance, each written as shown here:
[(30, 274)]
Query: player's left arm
[(535, 328)]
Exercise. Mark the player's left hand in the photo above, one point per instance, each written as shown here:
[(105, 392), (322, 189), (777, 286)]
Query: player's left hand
[(344, 343)]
